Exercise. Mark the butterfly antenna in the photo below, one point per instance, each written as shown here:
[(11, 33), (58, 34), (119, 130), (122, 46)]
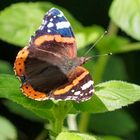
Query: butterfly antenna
[(106, 54), (89, 58), (96, 43)]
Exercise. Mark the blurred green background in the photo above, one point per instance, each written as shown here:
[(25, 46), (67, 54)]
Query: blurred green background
[(120, 66)]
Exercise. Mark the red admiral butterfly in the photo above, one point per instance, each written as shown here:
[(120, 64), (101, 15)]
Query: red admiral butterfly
[(49, 67)]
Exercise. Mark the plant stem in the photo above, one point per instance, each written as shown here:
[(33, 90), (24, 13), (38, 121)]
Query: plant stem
[(84, 121), (112, 29), (60, 110), (57, 125), (71, 121), (100, 67)]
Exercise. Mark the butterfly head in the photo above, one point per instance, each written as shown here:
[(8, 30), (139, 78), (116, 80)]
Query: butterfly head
[(79, 61)]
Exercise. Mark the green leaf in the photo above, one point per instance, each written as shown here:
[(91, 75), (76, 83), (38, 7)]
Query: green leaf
[(23, 112), (5, 67), (124, 126), (110, 138), (88, 35), (9, 88), (81, 136), (112, 44), (17, 32), (126, 15), (94, 105), (117, 68), (68, 136), (117, 44), (7, 130), (48, 110), (110, 96), (130, 47), (74, 136), (24, 19)]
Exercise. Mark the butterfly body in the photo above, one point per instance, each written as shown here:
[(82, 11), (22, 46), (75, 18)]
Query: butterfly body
[(49, 67)]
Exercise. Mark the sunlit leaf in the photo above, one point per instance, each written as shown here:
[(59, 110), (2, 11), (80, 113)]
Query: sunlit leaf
[(110, 96), (126, 15), (116, 44), (81, 136), (9, 89), (17, 32), (68, 136), (7, 130), (88, 35), (19, 21), (74, 136)]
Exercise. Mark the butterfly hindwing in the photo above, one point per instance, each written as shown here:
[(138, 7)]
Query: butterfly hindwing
[(43, 74), (80, 88)]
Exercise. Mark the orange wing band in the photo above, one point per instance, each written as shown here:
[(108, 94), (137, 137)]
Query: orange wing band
[(74, 82), (31, 93), (19, 63), (56, 38)]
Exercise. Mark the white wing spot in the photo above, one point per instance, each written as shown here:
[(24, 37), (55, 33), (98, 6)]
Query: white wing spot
[(60, 15), (77, 93), (51, 19), (49, 30), (54, 16), (72, 90), (68, 98), (51, 98), (81, 94), (63, 24), (74, 98), (91, 91), (87, 85), (59, 99), (50, 24)]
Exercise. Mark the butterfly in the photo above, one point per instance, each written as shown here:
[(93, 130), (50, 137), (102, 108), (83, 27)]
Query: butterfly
[(49, 68)]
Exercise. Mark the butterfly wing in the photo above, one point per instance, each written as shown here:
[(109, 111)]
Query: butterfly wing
[(39, 65), (55, 34), (44, 66), (55, 23), (80, 88), (37, 75)]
